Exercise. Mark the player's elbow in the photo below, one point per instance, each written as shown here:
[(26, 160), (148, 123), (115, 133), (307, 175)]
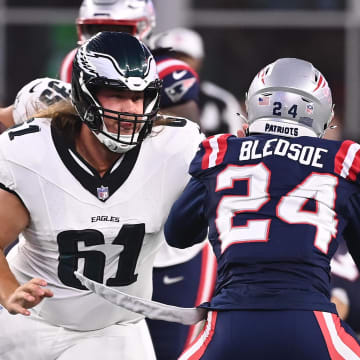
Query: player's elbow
[(182, 237)]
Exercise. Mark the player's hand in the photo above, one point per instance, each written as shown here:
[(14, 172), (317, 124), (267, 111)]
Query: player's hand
[(27, 296), (242, 132)]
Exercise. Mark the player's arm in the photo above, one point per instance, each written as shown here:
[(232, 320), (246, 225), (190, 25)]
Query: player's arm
[(341, 300), (187, 224), (6, 118), (351, 232), (16, 298)]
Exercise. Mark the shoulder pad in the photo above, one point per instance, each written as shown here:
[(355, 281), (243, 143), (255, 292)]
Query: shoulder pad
[(37, 95)]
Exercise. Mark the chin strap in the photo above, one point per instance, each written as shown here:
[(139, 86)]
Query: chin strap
[(170, 120), (150, 309)]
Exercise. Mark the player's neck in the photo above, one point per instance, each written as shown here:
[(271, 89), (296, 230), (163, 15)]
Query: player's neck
[(95, 153)]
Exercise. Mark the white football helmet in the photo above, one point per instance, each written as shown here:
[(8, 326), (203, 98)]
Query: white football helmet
[(136, 17), (290, 98), (183, 40)]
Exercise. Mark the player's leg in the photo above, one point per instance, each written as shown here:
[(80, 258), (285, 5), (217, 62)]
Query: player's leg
[(125, 342), (281, 335), (174, 285), (341, 340), (205, 289), (24, 338)]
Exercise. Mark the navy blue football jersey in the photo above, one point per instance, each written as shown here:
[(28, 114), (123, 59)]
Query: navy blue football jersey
[(274, 209), (180, 81)]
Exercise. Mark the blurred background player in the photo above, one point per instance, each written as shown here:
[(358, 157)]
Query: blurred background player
[(218, 107), (134, 17)]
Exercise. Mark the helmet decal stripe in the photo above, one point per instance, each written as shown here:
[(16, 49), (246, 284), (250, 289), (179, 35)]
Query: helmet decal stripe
[(262, 75), (319, 83)]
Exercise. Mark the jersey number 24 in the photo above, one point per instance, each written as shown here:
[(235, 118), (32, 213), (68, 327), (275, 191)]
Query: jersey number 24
[(290, 208)]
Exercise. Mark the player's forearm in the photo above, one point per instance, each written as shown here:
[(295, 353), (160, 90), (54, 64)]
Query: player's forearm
[(6, 117), (186, 224), (8, 282)]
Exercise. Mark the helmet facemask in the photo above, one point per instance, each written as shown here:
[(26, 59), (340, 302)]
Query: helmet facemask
[(132, 128)]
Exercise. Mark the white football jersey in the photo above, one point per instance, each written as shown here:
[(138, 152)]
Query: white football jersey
[(38, 95), (108, 228)]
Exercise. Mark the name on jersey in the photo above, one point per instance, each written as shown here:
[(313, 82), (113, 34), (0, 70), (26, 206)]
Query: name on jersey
[(282, 129), (305, 155), (105, 218)]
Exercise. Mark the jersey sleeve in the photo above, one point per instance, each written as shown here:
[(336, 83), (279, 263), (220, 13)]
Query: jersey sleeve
[(180, 82), (37, 95), (187, 224), (347, 161), (211, 153)]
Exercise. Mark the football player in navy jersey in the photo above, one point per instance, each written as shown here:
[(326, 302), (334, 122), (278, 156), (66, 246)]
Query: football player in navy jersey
[(274, 205), (85, 183)]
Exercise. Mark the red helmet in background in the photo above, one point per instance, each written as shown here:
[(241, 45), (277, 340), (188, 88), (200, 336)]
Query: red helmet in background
[(136, 17)]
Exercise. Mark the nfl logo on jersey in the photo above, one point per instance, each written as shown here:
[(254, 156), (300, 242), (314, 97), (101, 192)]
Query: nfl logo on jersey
[(103, 192)]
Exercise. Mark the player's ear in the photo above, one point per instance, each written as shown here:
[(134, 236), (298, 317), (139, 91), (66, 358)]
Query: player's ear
[(244, 131)]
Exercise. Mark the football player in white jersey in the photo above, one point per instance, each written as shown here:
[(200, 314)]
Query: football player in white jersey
[(174, 281), (89, 187)]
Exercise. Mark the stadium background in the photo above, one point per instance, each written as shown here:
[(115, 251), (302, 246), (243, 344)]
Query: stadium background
[(240, 37)]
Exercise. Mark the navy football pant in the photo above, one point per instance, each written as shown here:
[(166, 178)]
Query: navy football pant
[(280, 335), (180, 285)]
